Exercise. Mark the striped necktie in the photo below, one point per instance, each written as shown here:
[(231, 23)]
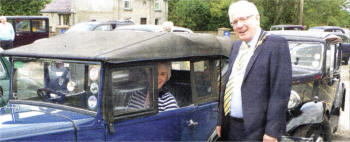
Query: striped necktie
[(229, 86)]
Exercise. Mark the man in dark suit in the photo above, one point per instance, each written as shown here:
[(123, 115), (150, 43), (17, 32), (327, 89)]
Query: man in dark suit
[(253, 103)]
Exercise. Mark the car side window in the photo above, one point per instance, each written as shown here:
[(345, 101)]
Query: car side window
[(206, 80), (179, 83), (38, 26), (330, 58), (202, 78), (22, 25), (132, 89)]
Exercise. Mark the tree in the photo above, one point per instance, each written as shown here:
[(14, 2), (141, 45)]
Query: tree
[(22, 7), (219, 14), (328, 12), (188, 13), (193, 14)]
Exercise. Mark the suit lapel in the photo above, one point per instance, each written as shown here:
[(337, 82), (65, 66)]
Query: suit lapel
[(255, 55)]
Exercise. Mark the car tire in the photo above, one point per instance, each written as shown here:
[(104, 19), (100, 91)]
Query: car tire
[(318, 132)]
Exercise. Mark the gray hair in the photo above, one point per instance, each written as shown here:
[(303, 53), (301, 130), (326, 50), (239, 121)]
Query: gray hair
[(168, 65), (2, 17), (247, 7)]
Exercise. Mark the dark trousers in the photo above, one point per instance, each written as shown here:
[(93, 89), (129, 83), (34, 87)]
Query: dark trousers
[(6, 44), (233, 129)]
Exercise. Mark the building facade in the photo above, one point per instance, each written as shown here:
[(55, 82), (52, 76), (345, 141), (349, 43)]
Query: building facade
[(64, 13)]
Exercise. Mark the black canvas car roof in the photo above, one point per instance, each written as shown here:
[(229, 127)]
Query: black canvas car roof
[(124, 46)]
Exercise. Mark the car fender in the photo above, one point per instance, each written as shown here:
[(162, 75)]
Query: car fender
[(312, 112)]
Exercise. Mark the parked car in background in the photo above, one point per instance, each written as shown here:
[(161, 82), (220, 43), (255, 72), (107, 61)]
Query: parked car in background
[(345, 49), (29, 28), (317, 94), (286, 27), (152, 28), (328, 29), (99, 25), (112, 92)]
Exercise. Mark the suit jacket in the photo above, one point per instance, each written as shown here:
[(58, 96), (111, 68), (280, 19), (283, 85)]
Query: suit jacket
[(265, 89)]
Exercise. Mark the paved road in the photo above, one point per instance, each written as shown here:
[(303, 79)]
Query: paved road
[(343, 133)]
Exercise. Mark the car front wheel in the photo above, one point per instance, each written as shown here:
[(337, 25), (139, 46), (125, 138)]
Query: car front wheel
[(317, 132)]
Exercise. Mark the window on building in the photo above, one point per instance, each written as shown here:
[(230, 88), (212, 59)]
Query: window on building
[(64, 19), (127, 4), (156, 21), (143, 21), (157, 4)]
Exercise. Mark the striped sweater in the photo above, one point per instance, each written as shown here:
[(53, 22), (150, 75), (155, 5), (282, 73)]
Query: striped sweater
[(166, 101)]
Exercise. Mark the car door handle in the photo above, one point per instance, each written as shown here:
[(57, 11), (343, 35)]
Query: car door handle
[(191, 123)]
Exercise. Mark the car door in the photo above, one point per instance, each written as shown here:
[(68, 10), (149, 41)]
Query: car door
[(40, 29), (329, 83), (205, 78), (23, 34), (133, 113)]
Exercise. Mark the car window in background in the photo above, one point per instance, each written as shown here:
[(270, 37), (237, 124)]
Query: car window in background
[(81, 27), (306, 54), (22, 26), (38, 26), (103, 28)]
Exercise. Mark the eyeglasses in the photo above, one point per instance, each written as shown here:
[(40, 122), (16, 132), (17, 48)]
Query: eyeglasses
[(241, 19)]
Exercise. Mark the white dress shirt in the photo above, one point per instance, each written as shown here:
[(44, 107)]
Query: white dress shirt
[(238, 70)]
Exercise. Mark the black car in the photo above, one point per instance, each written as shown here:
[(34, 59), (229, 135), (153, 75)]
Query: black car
[(99, 25), (345, 47), (317, 92), (29, 28)]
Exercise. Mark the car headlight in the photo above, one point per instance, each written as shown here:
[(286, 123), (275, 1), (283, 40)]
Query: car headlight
[(294, 100)]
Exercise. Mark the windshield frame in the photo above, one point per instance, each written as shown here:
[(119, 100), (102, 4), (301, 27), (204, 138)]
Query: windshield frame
[(322, 54), (93, 113)]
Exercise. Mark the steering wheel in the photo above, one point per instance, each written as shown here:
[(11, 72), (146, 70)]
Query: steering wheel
[(49, 95)]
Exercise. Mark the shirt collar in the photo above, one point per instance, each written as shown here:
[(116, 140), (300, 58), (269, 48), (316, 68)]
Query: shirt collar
[(255, 39)]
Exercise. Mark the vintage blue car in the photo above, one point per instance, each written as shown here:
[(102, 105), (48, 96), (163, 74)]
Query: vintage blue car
[(103, 86)]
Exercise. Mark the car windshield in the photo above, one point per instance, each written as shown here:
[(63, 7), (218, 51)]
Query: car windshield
[(67, 83), (82, 27), (306, 54)]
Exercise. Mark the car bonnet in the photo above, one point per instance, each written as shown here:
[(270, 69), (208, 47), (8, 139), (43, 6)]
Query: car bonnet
[(20, 121)]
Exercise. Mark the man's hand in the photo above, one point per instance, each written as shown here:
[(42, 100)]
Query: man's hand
[(218, 130), (266, 138)]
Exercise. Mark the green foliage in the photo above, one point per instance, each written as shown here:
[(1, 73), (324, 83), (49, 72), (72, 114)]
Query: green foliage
[(193, 14), (329, 12), (212, 14), (219, 14), (22, 7)]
